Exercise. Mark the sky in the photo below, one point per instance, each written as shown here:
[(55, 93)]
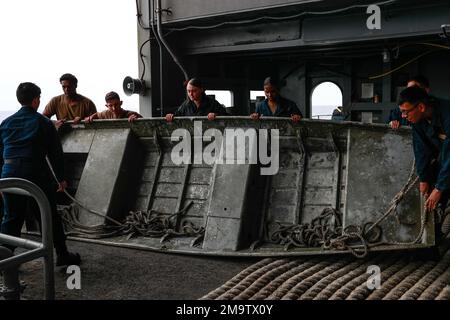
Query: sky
[(96, 40), (325, 98)]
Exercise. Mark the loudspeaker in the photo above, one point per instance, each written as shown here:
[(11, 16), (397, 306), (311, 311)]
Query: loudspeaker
[(132, 86)]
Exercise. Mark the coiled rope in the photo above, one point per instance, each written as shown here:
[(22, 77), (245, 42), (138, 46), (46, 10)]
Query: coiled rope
[(326, 230), (151, 223), (402, 277)]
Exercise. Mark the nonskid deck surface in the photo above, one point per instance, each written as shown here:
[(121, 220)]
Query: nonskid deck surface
[(405, 276), (112, 273), (120, 273)]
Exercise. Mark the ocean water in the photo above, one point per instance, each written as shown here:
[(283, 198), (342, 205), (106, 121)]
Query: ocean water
[(322, 112)]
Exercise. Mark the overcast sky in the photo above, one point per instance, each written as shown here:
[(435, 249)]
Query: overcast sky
[(96, 40), (325, 98)]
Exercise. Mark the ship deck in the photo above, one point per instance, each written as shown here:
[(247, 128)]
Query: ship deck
[(114, 273)]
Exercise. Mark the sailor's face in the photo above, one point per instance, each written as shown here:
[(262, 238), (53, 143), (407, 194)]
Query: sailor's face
[(413, 113), (114, 105), (271, 92), (194, 93), (68, 88)]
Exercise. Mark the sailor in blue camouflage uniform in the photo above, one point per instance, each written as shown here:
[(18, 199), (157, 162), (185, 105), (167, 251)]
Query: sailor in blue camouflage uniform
[(395, 116), (275, 105), (197, 103), (26, 138), (430, 120), (396, 120)]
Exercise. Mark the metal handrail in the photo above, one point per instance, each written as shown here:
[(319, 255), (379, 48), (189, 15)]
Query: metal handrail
[(44, 249)]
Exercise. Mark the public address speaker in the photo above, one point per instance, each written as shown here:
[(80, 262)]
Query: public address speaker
[(133, 86)]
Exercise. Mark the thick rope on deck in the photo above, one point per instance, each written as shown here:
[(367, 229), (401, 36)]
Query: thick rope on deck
[(445, 293), (340, 278), (274, 286), (339, 282), (330, 284), (392, 291), (296, 280), (287, 281), (362, 291), (397, 291), (307, 283), (394, 275), (236, 279), (416, 291), (436, 287), (347, 289), (265, 279), (318, 290), (248, 280)]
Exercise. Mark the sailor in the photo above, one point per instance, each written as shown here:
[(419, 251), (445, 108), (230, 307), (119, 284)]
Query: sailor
[(338, 114), (115, 111), (275, 105), (70, 105), (26, 138), (395, 117), (198, 103), (430, 120)]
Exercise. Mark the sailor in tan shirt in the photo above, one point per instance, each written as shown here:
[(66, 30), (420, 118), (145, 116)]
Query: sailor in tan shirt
[(70, 105), (115, 111)]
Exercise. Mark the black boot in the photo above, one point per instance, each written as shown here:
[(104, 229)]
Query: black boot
[(68, 259)]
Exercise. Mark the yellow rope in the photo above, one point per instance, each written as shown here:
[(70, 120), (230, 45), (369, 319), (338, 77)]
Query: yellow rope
[(440, 46), (435, 45), (400, 67)]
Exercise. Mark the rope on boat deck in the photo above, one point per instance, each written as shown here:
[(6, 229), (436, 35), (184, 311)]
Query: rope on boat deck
[(327, 231), (364, 234), (151, 223), (340, 279)]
